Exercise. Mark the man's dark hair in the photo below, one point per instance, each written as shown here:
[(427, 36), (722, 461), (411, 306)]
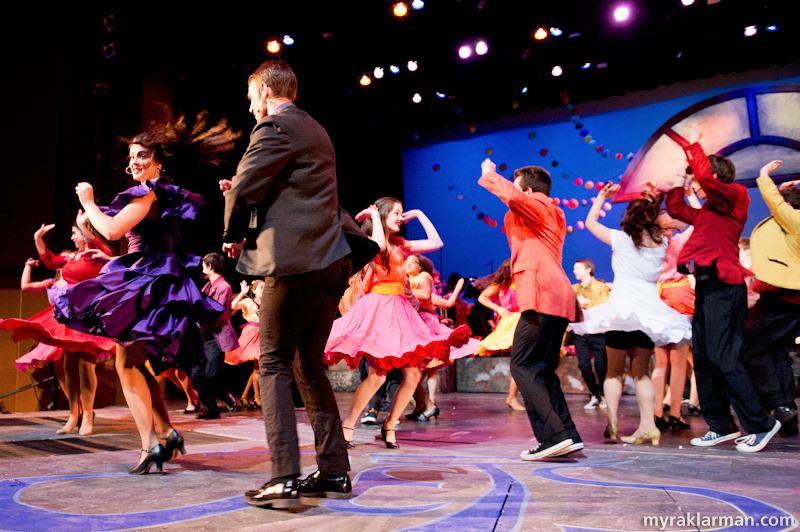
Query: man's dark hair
[(723, 168), (277, 75), (588, 264), (216, 262), (535, 178), (744, 242), (792, 196)]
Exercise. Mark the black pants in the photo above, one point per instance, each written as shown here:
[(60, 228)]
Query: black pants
[(585, 346), (771, 327), (534, 358), (296, 315), (717, 341), (207, 378)]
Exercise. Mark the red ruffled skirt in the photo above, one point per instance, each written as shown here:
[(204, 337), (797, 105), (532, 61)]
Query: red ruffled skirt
[(436, 326), (391, 334), (54, 338), (249, 345)]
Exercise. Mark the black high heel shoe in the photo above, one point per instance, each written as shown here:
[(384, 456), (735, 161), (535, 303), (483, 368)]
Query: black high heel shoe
[(425, 416), (662, 423), (414, 416), (349, 442), (174, 447), (694, 410), (389, 444), (676, 423), (156, 456)]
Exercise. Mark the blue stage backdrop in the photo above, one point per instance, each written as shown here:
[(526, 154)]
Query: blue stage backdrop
[(441, 180)]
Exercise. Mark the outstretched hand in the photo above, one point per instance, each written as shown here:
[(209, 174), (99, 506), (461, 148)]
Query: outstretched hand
[(770, 167), (409, 215), (695, 134), (232, 249), (367, 213), (30, 263), (43, 230), (650, 189), (244, 287), (224, 185), (85, 193), (607, 191), (790, 184), (487, 166), (94, 255)]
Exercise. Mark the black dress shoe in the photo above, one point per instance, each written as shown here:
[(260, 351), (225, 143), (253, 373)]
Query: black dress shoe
[(661, 423), (326, 486), (676, 423), (173, 445), (155, 456), (414, 416), (274, 494), (208, 415), (788, 418)]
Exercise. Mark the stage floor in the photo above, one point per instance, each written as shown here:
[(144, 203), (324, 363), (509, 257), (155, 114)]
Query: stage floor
[(460, 473)]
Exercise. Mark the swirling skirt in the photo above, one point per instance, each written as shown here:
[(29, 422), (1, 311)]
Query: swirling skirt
[(249, 346), (501, 338), (436, 326), (391, 334)]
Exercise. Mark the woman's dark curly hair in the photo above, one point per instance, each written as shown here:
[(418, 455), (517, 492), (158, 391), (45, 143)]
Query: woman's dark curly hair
[(502, 277), (640, 218)]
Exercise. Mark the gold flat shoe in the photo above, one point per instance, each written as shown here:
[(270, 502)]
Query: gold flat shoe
[(654, 436)]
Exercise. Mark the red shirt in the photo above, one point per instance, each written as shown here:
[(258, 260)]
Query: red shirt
[(717, 225), (73, 270)]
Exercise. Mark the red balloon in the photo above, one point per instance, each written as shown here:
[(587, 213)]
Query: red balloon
[(599, 148), (599, 186), (543, 152), (487, 220), (578, 181), (573, 203), (493, 223), (618, 156), (503, 229)]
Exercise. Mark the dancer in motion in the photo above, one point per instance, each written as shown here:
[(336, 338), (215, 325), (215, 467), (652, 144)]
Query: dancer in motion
[(248, 301), (634, 319), (536, 229), (166, 323), (80, 352)]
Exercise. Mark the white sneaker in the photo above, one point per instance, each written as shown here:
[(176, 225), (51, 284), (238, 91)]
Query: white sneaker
[(602, 403), (712, 438), (593, 403), (752, 443), (537, 453), (571, 449)]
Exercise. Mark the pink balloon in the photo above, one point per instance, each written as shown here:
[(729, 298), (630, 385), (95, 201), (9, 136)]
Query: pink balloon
[(569, 229), (602, 214), (599, 186), (592, 199), (573, 203), (607, 206), (565, 202), (583, 202), (581, 225), (578, 181)]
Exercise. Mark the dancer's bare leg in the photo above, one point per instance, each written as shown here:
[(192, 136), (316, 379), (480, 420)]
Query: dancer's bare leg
[(411, 377), (88, 385), (137, 390), (161, 422), (660, 376), (422, 400), (361, 398), (72, 390), (645, 394), (677, 380), (256, 387), (511, 400), (432, 379), (612, 387)]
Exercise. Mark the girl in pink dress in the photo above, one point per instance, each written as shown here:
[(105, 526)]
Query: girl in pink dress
[(382, 325), (248, 301)]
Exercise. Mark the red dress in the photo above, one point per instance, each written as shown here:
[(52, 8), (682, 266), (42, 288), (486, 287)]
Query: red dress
[(53, 337), (384, 327)]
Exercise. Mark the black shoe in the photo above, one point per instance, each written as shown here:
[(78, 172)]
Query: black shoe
[(174, 445), (274, 494), (694, 410), (676, 423), (208, 415), (156, 455), (788, 418), (662, 423), (230, 402), (414, 416), (665, 408), (425, 416), (389, 444), (326, 486), (349, 443), (371, 418)]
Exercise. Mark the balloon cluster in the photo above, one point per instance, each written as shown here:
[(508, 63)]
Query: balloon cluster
[(575, 118)]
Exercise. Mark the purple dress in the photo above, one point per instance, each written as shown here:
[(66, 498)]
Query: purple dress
[(149, 294)]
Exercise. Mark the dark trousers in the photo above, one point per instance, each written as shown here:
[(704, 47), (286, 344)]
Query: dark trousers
[(387, 389), (585, 346), (771, 327), (207, 378), (717, 341), (534, 358), (296, 315)]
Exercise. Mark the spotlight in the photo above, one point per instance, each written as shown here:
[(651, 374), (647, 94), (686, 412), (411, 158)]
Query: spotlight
[(417, 4), (602, 65), (377, 73), (441, 95), (540, 34), (556, 32), (416, 98), (273, 47), (524, 90), (110, 22), (749, 31), (771, 28), (400, 9), (108, 50), (481, 48), (622, 13), (687, 2), (365, 80), (287, 40), (557, 71), (586, 66), (464, 52), (394, 69), (412, 66)]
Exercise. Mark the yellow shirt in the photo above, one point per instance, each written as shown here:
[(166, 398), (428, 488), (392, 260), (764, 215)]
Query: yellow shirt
[(596, 292)]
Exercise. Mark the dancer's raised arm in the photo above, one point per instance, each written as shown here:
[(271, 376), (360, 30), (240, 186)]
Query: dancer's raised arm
[(113, 227), (592, 224), (433, 240), (378, 236)]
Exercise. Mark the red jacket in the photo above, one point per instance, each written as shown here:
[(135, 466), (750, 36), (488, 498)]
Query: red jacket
[(536, 229), (717, 225)]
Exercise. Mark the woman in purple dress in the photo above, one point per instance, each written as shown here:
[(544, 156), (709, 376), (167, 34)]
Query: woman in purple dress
[(147, 300)]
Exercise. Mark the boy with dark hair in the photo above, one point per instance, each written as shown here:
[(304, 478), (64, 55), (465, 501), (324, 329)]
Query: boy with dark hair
[(590, 293), (720, 301)]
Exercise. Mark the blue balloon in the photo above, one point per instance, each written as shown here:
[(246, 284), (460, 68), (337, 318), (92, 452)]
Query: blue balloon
[(592, 142), (481, 216), (569, 107), (532, 135), (606, 152), (566, 175), (579, 125), (575, 118), (584, 132), (415, 136)]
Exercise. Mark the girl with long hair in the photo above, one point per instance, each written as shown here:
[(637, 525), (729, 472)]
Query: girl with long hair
[(382, 325), (248, 301), (634, 319)]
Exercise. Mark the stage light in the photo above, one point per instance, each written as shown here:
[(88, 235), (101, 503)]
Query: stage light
[(365, 80), (771, 28), (416, 98), (481, 48), (749, 31), (586, 66), (394, 69), (287, 40), (556, 32), (622, 13), (400, 9), (412, 66), (441, 95), (417, 4), (464, 52), (524, 90), (273, 47), (557, 71), (540, 34), (377, 73), (687, 2)]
